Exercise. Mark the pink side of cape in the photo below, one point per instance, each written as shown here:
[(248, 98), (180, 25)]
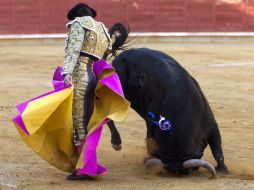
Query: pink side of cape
[(91, 166)]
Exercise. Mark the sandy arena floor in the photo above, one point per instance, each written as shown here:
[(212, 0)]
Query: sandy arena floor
[(226, 75)]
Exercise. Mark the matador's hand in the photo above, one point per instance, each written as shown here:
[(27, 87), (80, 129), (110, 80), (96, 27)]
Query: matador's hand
[(67, 80)]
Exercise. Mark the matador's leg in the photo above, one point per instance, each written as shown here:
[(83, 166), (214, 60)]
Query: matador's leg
[(81, 83)]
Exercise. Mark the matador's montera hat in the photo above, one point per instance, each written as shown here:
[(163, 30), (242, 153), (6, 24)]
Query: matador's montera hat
[(74, 11)]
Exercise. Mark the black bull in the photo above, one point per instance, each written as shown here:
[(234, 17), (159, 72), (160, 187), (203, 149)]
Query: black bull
[(155, 83)]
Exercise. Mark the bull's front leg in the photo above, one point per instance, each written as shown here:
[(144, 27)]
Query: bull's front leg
[(152, 164), (150, 142), (116, 141), (150, 138)]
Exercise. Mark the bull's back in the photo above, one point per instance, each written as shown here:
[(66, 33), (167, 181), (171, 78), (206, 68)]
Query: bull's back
[(163, 73), (176, 90)]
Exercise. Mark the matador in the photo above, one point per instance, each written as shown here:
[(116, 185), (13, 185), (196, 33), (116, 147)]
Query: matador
[(87, 41)]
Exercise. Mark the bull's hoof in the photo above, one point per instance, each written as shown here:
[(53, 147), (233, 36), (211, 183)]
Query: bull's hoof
[(222, 169), (116, 147), (153, 165)]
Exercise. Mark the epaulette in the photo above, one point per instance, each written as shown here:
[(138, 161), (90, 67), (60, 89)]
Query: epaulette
[(87, 22)]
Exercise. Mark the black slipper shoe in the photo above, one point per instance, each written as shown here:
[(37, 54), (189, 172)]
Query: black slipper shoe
[(74, 176)]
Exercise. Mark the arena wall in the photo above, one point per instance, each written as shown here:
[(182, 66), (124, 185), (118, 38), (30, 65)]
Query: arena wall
[(49, 16)]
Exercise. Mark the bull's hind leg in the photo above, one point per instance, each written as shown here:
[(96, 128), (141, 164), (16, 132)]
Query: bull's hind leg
[(215, 144)]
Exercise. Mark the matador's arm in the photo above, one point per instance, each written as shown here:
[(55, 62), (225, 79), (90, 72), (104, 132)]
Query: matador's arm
[(73, 47)]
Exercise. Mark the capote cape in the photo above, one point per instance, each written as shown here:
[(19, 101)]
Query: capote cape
[(45, 122)]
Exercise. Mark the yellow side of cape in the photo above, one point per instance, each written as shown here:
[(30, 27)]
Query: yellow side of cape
[(49, 122)]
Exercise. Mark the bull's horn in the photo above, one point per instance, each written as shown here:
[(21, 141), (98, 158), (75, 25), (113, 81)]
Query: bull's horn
[(193, 163), (152, 162)]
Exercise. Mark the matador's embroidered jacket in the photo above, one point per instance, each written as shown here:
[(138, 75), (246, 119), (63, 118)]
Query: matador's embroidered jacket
[(85, 36)]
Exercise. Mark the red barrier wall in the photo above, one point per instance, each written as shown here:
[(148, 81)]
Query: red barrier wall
[(49, 16)]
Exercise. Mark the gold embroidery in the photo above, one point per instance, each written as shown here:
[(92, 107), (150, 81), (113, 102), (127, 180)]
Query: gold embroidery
[(97, 40)]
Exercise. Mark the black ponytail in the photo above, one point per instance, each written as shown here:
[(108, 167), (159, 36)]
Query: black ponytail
[(121, 33)]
